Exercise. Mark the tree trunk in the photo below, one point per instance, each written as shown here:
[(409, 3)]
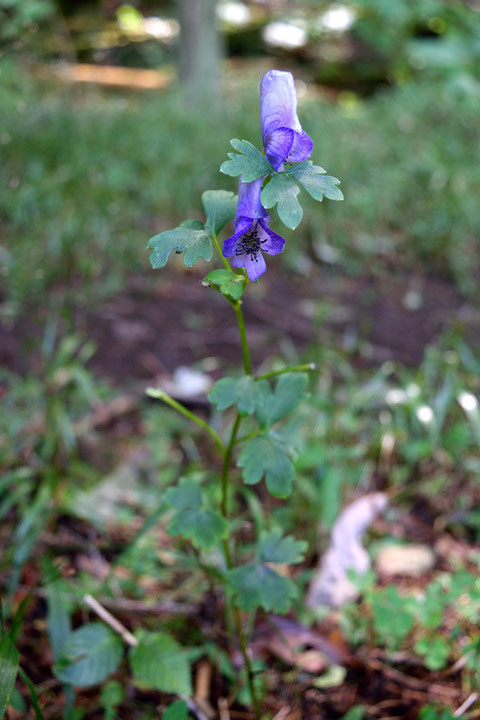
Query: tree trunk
[(200, 51)]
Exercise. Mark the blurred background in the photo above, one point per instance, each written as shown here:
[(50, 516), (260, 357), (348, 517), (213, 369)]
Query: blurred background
[(115, 117)]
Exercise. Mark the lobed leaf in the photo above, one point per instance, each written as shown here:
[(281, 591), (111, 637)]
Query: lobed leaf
[(256, 585), (265, 456), (191, 520), (159, 663), (220, 207), (229, 283), (288, 394), (193, 242), (274, 548), (315, 182), (282, 191), (241, 392), (249, 162), (89, 655)]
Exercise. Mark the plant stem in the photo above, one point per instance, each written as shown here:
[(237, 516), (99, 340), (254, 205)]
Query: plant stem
[(228, 559), (159, 394), (237, 306), (292, 368), (219, 250)]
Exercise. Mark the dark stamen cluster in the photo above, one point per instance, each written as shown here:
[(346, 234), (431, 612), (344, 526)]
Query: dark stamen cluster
[(250, 244)]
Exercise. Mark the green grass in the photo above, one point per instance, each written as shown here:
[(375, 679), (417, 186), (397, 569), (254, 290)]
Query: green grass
[(90, 175)]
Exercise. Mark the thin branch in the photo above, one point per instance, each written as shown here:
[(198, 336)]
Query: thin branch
[(110, 620)]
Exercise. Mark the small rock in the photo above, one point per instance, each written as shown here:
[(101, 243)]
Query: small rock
[(411, 560)]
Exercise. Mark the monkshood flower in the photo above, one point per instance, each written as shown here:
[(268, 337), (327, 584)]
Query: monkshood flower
[(282, 134), (252, 235)]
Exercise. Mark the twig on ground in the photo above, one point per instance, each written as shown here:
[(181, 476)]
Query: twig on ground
[(466, 705), (111, 621)]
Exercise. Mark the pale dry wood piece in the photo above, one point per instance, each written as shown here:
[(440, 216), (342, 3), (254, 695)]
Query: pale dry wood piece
[(203, 678), (110, 620), (471, 699), (109, 75), (223, 709), (282, 714)]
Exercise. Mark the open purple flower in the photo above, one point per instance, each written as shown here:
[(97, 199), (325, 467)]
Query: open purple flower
[(252, 235), (283, 137)]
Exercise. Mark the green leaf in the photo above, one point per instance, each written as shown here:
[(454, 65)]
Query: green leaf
[(33, 694), (282, 191), (274, 548), (192, 521), (193, 243), (256, 585), (250, 163), (241, 392), (8, 670), (220, 207), (264, 455), (315, 182), (203, 527), (392, 617), (229, 283), (89, 655), (58, 616), (435, 651), (187, 494), (176, 711), (159, 663), (289, 393)]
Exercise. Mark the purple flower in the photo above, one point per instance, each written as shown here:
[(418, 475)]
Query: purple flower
[(283, 137), (252, 235)]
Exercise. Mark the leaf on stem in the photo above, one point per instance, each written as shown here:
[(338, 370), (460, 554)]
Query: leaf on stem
[(282, 191), (273, 548), (288, 394), (241, 392), (220, 207), (256, 585), (249, 162), (189, 238), (264, 455), (229, 283), (315, 182), (203, 527), (8, 670)]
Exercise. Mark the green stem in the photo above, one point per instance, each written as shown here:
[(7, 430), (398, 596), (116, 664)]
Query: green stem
[(219, 250), (228, 559), (292, 368), (159, 394), (237, 306)]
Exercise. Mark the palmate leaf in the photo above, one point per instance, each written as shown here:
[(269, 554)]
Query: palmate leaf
[(220, 207), (288, 394), (256, 585), (89, 655), (264, 455), (249, 162), (314, 180), (273, 548), (190, 238), (282, 191), (241, 392), (159, 663), (229, 283), (192, 520)]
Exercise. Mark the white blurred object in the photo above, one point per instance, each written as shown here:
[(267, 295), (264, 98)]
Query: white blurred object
[(189, 382), (285, 35), (425, 414), (338, 18), (234, 13), (160, 28), (331, 586), (413, 560), (467, 401)]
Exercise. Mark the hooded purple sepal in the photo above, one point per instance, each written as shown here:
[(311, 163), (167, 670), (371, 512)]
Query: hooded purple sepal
[(252, 235), (283, 137)]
